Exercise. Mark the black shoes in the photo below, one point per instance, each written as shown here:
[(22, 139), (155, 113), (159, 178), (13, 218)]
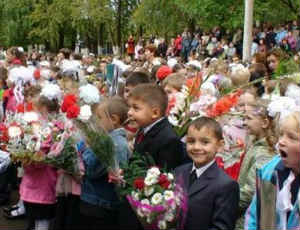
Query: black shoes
[(7, 213)]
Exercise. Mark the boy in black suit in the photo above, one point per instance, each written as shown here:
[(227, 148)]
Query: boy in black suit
[(213, 197), (148, 104)]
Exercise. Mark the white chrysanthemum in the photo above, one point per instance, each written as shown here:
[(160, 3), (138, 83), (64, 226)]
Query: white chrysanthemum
[(14, 131), (145, 201), (156, 198), (85, 113), (149, 191), (170, 176), (30, 117), (150, 180), (154, 171), (140, 212), (168, 195), (135, 195), (51, 91), (169, 217), (89, 94), (162, 224), (149, 219)]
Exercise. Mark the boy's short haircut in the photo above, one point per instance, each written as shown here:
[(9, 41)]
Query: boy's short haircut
[(136, 78), (151, 94), (117, 106), (209, 123), (174, 80)]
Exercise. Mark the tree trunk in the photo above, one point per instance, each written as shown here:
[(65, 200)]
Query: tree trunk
[(119, 23), (248, 26), (61, 38)]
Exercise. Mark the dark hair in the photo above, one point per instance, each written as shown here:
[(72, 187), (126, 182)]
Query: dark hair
[(154, 71), (32, 91), (66, 52), (51, 105), (136, 78), (209, 123), (3, 77), (152, 95)]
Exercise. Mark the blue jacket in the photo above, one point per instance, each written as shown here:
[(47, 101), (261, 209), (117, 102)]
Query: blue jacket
[(262, 212), (96, 189)]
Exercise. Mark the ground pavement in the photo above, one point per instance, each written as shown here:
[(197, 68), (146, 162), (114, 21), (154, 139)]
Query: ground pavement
[(19, 224)]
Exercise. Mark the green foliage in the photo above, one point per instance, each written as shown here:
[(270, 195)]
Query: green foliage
[(57, 22), (101, 144), (67, 159), (136, 168), (286, 66)]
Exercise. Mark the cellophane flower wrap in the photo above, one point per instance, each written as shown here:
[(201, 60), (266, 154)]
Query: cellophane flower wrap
[(30, 139), (157, 197)]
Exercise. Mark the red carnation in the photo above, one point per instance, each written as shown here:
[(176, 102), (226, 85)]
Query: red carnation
[(20, 108), (3, 133), (163, 181), (73, 111), (69, 100), (139, 183)]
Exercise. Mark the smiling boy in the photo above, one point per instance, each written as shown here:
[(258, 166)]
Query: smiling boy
[(213, 197)]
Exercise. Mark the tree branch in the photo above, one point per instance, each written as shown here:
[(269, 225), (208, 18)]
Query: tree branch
[(289, 3)]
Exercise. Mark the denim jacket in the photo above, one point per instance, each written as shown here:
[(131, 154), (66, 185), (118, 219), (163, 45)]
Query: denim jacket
[(95, 188)]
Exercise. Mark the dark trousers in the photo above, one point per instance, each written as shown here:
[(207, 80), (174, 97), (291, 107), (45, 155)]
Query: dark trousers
[(6, 178), (94, 217), (67, 213)]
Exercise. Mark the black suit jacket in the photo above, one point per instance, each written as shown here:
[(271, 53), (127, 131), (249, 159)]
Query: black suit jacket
[(162, 143), (213, 199)]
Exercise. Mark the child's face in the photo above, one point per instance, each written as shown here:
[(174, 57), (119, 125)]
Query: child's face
[(245, 100), (127, 90), (289, 142), (142, 113), (272, 62), (170, 91), (253, 123), (202, 145)]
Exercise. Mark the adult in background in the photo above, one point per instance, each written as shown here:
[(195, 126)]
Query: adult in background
[(130, 47)]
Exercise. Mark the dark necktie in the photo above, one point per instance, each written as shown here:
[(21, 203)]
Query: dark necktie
[(140, 137), (193, 178)]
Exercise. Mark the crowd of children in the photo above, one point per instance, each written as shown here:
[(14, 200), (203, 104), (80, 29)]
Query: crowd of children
[(240, 167)]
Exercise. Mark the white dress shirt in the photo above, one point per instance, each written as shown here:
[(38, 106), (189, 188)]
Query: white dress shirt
[(201, 170)]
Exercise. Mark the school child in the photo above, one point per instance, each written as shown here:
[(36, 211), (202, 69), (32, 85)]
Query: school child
[(99, 202), (148, 104), (212, 195), (173, 83), (261, 127), (37, 188), (276, 201), (68, 191), (133, 80), (31, 97)]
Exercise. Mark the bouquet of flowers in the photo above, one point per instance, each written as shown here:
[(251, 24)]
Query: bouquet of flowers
[(158, 200), (25, 136)]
